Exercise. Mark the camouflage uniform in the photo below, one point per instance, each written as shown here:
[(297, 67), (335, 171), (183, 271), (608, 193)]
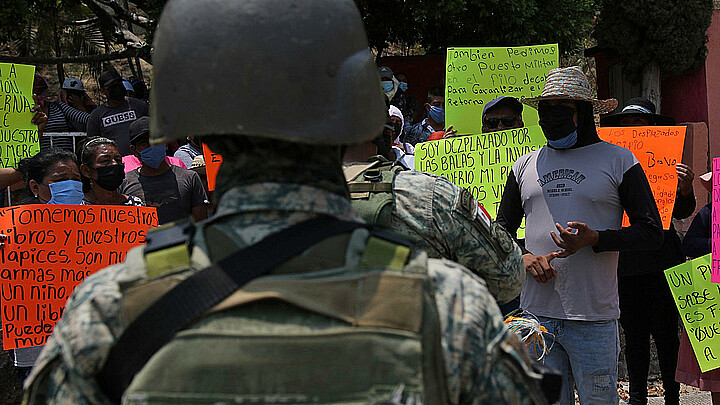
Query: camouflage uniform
[(430, 210), (485, 363)]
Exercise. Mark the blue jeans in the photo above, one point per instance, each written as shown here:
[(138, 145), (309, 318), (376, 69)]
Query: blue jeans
[(586, 353)]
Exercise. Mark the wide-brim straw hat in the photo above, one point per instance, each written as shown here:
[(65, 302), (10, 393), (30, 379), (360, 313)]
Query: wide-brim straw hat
[(570, 84)]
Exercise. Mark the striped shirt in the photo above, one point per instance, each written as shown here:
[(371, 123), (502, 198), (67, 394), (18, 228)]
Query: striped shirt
[(60, 115)]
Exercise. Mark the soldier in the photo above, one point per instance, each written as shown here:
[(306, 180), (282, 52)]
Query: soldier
[(439, 217), (348, 314)]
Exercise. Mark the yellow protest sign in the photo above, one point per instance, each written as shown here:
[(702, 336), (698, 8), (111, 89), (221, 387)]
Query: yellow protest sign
[(658, 149), (475, 76), (479, 163), (697, 301), (18, 136)]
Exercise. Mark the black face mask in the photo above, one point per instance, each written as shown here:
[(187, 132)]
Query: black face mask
[(110, 177), (116, 92), (384, 145), (397, 129), (556, 121)]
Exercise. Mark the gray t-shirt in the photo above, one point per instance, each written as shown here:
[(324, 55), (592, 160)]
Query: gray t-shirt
[(573, 185), (174, 193), (114, 122)]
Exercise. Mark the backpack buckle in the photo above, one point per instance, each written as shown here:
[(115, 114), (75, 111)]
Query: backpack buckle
[(373, 175)]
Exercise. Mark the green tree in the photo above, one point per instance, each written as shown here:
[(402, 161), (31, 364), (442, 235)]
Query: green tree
[(669, 33), (438, 25), (83, 31), (434, 25)]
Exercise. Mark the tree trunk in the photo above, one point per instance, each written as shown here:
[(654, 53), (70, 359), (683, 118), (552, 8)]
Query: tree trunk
[(651, 84), (58, 50), (139, 69), (132, 66), (380, 50)]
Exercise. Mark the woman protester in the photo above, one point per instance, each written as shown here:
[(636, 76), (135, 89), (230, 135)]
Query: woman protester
[(102, 169), (72, 92), (61, 117), (698, 243), (52, 177)]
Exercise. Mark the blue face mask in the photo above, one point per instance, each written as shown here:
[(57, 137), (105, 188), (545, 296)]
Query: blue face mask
[(66, 192), (387, 86), (565, 142), (437, 114), (153, 156), (403, 86)]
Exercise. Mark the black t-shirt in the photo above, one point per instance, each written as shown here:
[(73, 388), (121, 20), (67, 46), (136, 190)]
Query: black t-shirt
[(114, 122), (174, 193)]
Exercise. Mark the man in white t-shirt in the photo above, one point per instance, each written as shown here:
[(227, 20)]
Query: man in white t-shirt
[(573, 193)]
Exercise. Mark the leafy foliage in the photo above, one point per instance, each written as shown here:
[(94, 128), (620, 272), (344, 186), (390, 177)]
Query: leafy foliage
[(433, 24), (439, 24), (669, 32), (13, 14)]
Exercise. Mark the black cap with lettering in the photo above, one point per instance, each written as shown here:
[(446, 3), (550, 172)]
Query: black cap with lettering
[(138, 128), (108, 77)]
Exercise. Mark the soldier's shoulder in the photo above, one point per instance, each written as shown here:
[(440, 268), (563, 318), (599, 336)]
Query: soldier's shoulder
[(453, 279), (417, 182), (131, 270)]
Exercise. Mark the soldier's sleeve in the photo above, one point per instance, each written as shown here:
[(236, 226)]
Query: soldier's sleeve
[(65, 371), (482, 246), (485, 362)]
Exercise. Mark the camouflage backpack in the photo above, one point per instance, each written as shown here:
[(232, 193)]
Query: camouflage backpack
[(371, 189), (351, 320)]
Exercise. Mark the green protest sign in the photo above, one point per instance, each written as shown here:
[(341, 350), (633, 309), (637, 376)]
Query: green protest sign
[(479, 163), (698, 301), (18, 136), (475, 76)]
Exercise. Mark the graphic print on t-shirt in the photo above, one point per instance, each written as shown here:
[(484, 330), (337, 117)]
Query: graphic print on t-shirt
[(564, 178), (119, 118)]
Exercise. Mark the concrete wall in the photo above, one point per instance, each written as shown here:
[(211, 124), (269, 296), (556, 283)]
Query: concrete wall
[(695, 155), (685, 97)]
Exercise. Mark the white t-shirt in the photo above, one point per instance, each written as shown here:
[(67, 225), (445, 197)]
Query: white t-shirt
[(573, 185)]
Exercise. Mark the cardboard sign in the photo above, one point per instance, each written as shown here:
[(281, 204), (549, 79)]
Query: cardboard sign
[(715, 226), (479, 163), (698, 301), (212, 166), (18, 136), (658, 149), (475, 76), (52, 248)]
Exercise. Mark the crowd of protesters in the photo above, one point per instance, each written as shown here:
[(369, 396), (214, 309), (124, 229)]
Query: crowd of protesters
[(110, 140), (584, 278), (581, 299), (108, 164)]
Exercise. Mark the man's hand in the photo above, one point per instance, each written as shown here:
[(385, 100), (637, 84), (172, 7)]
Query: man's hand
[(540, 267), (576, 236), (450, 132), (40, 118), (685, 178)]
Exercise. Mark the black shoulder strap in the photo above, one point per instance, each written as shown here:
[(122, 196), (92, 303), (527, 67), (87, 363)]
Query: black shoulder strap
[(202, 291)]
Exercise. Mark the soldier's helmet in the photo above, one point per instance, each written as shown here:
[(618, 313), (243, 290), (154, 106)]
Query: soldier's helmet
[(293, 70)]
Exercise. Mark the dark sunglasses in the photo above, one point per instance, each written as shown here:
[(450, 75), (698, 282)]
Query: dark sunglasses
[(493, 123)]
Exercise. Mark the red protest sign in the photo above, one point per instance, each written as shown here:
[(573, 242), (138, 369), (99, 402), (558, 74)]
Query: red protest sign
[(49, 250), (658, 149), (212, 166)]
